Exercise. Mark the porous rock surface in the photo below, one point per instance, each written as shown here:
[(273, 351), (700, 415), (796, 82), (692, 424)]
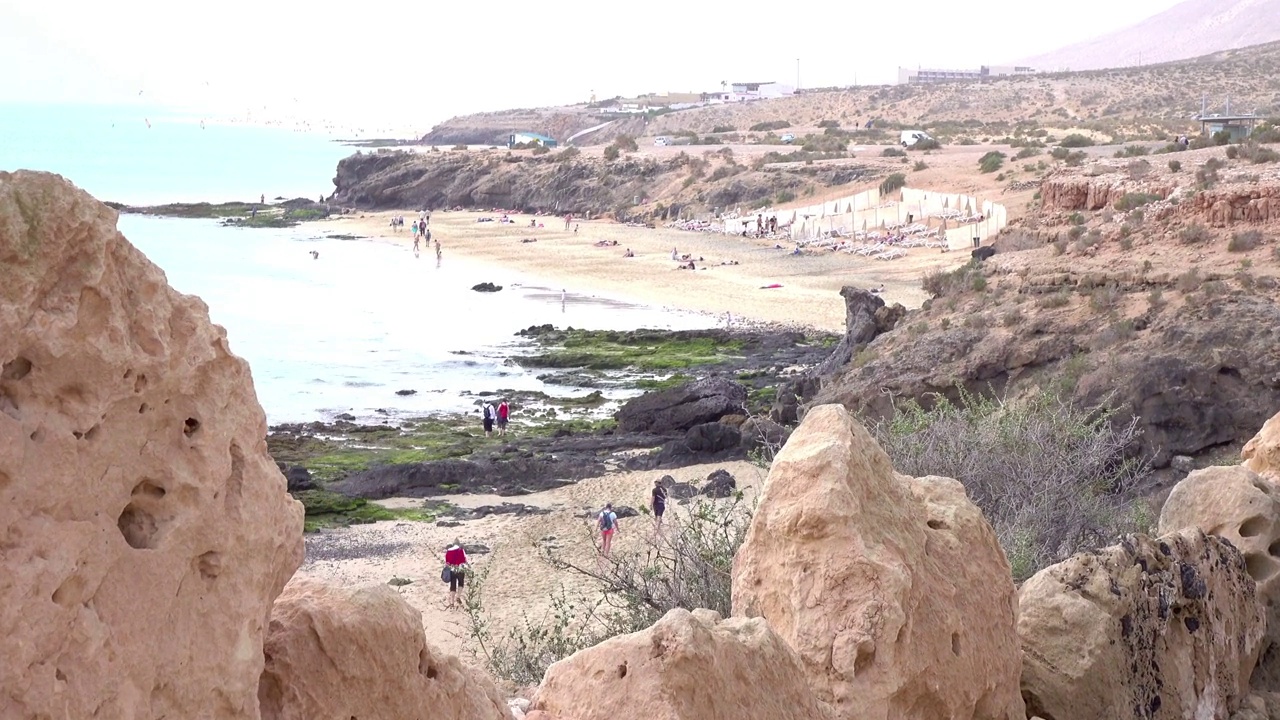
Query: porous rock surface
[(892, 590), (1262, 453), (1237, 504), (1149, 628), (680, 408), (144, 531), (687, 666), (360, 652)]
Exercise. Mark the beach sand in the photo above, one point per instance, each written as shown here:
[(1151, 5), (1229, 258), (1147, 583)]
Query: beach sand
[(518, 582), (811, 283)]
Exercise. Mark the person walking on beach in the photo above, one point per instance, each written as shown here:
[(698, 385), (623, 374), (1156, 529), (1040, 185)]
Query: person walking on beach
[(607, 521), (488, 415), (456, 568), (658, 502), (504, 414)]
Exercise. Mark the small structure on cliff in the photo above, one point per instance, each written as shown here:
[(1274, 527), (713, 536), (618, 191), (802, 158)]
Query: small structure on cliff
[(1238, 125), (530, 139)]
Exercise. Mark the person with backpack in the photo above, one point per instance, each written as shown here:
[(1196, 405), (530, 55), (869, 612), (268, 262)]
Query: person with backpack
[(607, 521), (455, 571), (488, 415), (504, 414)]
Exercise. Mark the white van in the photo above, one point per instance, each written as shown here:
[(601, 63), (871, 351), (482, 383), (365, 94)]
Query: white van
[(911, 137), (662, 141)]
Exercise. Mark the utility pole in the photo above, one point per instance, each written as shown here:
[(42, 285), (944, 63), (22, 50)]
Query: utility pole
[(797, 74)]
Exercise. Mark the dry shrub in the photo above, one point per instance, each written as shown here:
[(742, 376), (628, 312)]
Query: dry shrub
[(1244, 241), (1189, 281), (1194, 234), (1050, 476)]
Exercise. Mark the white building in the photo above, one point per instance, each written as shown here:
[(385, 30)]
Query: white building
[(744, 91)]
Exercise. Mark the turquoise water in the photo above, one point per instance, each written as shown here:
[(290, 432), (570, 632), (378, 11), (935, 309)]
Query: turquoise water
[(115, 155), (344, 332), (337, 334)]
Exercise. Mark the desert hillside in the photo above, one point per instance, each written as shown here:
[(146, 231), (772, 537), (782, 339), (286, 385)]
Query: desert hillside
[(1132, 101), (1187, 30)]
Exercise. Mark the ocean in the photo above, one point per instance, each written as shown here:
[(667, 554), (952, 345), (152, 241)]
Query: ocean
[(147, 156), (338, 334)]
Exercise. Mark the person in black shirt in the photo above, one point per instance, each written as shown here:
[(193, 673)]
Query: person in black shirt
[(659, 502)]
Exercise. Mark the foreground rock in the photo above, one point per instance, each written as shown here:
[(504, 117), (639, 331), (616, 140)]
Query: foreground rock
[(145, 531), (680, 409), (1166, 628), (361, 652), (893, 590), (1237, 504), (688, 666), (1262, 453)]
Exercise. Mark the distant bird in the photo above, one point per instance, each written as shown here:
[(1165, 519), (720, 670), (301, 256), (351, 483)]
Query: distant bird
[(148, 122)]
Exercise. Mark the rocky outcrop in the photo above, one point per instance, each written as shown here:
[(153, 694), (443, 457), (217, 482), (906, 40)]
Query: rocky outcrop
[(556, 182), (144, 531), (361, 652), (681, 408), (1228, 206), (1237, 504), (1166, 628), (866, 317), (688, 666), (1262, 453), (1070, 193), (893, 590), (1195, 379)]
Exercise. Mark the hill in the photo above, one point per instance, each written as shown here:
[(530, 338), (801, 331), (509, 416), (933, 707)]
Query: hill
[(1187, 30), (1135, 102)]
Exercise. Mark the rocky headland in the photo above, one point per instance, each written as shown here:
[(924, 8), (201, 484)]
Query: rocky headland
[(567, 181)]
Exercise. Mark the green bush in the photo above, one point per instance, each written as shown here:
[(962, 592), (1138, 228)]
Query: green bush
[(625, 143), (991, 162), (1026, 152), (920, 166), (770, 125), (1059, 153), (926, 144), (941, 283), (723, 129), (893, 152), (612, 153), (1175, 166), (1076, 140), (829, 124), (1194, 234), (1130, 201), (1050, 476), (1244, 241), (893, 182)]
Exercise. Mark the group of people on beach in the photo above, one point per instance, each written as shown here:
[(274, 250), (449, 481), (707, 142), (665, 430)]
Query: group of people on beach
[(489, 415)]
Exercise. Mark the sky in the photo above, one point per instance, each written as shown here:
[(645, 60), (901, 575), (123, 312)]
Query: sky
[(412, 64)]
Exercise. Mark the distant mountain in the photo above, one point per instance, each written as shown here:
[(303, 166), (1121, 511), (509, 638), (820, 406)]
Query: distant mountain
[(1190, 29)]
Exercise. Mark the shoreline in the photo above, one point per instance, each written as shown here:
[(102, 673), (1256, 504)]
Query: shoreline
[(807, 297)]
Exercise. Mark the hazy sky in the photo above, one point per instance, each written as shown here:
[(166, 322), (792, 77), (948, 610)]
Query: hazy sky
[(416, 63)]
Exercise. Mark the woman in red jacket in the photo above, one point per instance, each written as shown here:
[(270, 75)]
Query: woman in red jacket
[(455, 560)]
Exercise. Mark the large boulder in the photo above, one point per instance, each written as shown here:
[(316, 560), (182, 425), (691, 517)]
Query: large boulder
[(346, 652), (1166, 628), (1237, 504), (144, 530), (893, 590), (680, 408), (1262, 453), (688, 666)]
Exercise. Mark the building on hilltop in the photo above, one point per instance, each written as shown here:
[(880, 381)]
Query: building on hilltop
[(921, 76), (530, 139), (744, 91), (1237, 125)]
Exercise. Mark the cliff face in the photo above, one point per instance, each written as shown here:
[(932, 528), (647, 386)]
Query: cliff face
[(561, 181)]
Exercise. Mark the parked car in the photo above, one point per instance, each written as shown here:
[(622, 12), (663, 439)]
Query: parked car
[(662, 140), (911, 137), (788, 138)]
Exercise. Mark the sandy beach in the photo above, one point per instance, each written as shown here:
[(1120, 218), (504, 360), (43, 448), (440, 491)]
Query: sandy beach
[(518, 582), (810, 283)]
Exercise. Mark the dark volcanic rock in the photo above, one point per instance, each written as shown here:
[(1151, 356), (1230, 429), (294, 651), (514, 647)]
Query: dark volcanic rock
[(720, 484), (298, 477), (625, 511), (712, 438), (406, 392), (486, 287), (517, 509), (678, 409)]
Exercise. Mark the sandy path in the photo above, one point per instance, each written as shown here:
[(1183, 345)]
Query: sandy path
[(518, 582), (810, 283)]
